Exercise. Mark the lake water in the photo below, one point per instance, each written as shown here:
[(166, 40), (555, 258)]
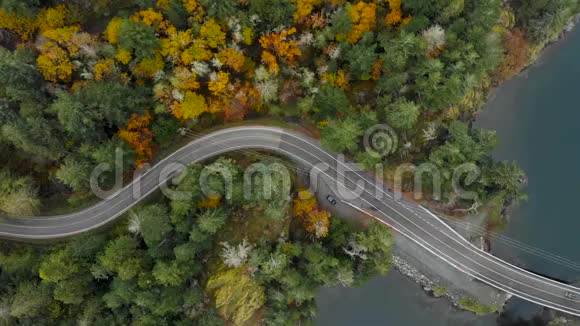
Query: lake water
[(392, 300), (537, 119)]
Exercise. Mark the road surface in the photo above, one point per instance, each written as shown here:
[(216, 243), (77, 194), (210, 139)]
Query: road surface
[(409, 219)]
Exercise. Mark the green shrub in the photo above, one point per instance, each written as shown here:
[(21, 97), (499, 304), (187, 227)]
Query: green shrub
[(473, 305), (439, 291)]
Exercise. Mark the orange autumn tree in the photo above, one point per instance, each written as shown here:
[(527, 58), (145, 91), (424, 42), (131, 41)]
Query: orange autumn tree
[(377, 69), (314, 220), (395, 15), (270, 60), (363, 16), (183, 79), (516, 54), (278, 44), (245, 98), (232, 58), (138, 135)]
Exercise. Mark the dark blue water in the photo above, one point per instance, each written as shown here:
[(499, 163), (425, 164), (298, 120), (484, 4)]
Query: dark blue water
[(537, 118), (391, 300)]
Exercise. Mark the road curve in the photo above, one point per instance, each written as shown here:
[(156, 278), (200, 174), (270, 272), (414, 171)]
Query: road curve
[(409, 219)]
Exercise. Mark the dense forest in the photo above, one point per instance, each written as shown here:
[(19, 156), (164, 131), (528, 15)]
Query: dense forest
[(81, 79), (195, 260)]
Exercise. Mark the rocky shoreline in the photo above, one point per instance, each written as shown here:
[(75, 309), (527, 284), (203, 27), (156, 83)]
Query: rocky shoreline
[(403, 267), (438, 279)]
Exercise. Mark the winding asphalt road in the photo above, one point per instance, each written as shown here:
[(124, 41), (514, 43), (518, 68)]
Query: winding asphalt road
[(409, 219)]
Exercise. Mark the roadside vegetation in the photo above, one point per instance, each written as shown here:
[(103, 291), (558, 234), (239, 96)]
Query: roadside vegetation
[(81, 79), (200, 259), (439, 291), (473, 305)]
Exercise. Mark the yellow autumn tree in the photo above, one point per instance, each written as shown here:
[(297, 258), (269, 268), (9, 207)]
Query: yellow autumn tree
[(218, 83), (304, 203), (304, 8), (190, 5), (52, 18), (175, 43), (248, 35), (193, 7), (54, 63), (82, 41), (193, 105), (163, 4), (104, 68), (212, 33), (61, 35), (212, 201), (183, 79), (363, 16), (149, 67), (198, 51), (238, 296), (111, 33), (23, 26), (337, 79), (123, 56), (149, 17)]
